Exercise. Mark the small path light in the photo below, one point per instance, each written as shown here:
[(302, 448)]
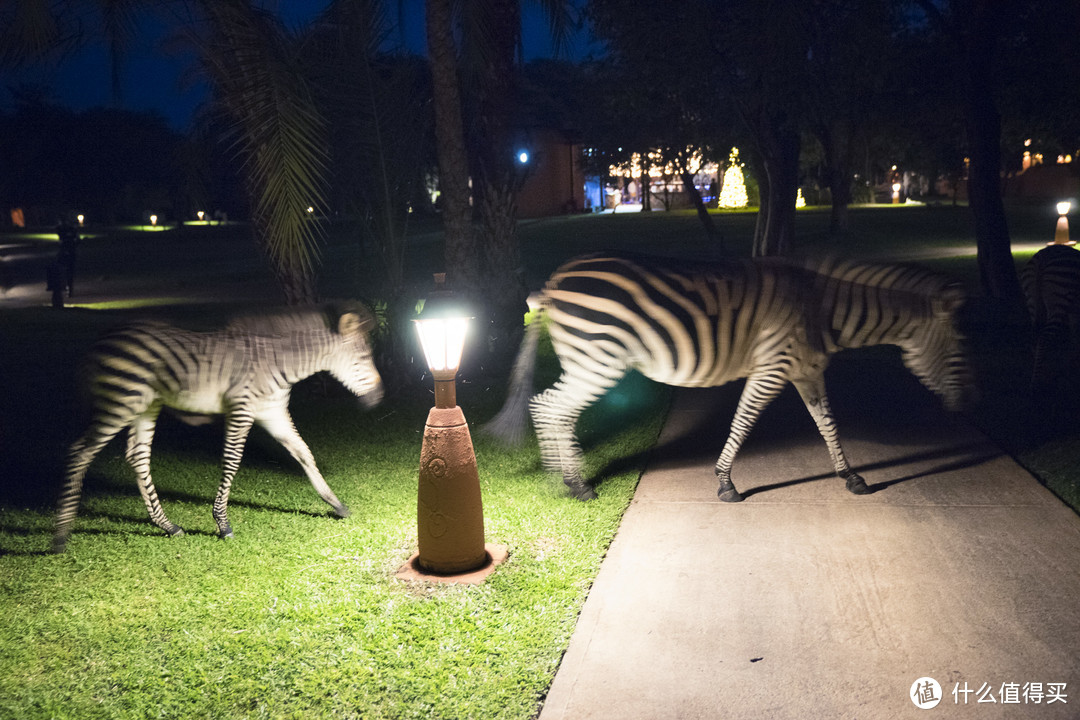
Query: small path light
[(450, 512), (1061, 232)]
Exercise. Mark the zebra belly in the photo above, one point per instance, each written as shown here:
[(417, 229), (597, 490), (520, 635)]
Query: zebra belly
[(198, 402)]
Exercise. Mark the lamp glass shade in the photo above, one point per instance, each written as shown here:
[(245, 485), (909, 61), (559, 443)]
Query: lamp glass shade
[(443, 340), (1063, 207)]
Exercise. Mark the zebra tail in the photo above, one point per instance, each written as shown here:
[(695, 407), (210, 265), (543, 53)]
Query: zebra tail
[(510, 424)]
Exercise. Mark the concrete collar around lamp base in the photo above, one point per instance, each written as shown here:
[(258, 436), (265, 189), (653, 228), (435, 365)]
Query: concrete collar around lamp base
[(450, 513)]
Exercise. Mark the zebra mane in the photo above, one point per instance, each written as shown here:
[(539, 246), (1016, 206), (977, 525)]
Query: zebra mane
[(288, 320), (899, 277)]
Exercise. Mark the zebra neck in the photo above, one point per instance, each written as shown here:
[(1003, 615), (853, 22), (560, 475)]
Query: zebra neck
[(299, 361)]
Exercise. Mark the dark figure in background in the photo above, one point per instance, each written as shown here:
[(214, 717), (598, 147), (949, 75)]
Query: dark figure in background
[(54, 283), (69, 243)]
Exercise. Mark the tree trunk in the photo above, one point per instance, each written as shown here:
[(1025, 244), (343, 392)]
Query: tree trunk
[(996, 268), (462, 259), (646, 184), (499, 177), (504, 284), (779, 148), (714, 234), (836, 143)]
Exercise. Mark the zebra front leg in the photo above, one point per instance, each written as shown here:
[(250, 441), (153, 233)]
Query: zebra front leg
[(554, 414), (140, 437), (760, 389), (237, 426), (280, 426), (812, 391)]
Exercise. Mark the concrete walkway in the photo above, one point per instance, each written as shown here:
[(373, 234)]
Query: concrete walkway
[(805, 601)]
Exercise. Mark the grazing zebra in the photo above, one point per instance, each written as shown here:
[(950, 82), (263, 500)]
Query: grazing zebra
[(245, 372), (1051, 282), (703, 325)]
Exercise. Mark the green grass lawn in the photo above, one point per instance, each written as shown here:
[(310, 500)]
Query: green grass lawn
[(300, 615)]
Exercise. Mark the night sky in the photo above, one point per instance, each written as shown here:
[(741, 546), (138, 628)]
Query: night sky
[(154, 80)]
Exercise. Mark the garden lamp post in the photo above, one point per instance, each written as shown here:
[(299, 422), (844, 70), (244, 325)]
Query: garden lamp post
[(1061, 232), (450, 514)]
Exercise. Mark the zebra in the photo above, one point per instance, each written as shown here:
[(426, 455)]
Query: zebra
[(704, 325), (244, 371), (1051, 283)]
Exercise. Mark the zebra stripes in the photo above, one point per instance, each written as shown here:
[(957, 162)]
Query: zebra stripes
[(1051, 283), (702, 325), (245, 372)]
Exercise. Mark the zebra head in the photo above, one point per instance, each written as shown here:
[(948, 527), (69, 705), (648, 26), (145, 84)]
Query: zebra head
[(351, 360), (934, 350)]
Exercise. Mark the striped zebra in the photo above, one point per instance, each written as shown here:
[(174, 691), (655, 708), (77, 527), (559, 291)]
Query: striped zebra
[(703, 325), (1051, 282), (245, 372)]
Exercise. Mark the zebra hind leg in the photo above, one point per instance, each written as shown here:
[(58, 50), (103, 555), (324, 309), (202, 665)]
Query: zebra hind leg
[(82, 453), (140, 437)]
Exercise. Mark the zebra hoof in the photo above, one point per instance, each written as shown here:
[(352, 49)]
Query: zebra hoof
[(729, 495), (857, 486), (226, 535), (176, 531), (342, 511), (584, 493)]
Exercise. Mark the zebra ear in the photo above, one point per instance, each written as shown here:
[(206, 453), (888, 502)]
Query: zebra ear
[(353, 322), (349, 324)]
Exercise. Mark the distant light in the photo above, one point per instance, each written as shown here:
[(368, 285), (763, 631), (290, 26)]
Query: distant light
[(896, 187), (1061, 232), (310, 209), (81, 218), (201, 215), (153, 219), (523, 156)]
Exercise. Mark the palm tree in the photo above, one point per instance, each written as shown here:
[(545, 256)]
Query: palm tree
[(251, 61), (484, 264), (256, 75)]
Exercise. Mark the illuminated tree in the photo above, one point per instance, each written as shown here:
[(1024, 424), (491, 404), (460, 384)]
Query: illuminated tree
[(733, 193)]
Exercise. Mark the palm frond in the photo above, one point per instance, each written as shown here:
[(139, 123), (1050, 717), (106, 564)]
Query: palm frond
[(257, 79)]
